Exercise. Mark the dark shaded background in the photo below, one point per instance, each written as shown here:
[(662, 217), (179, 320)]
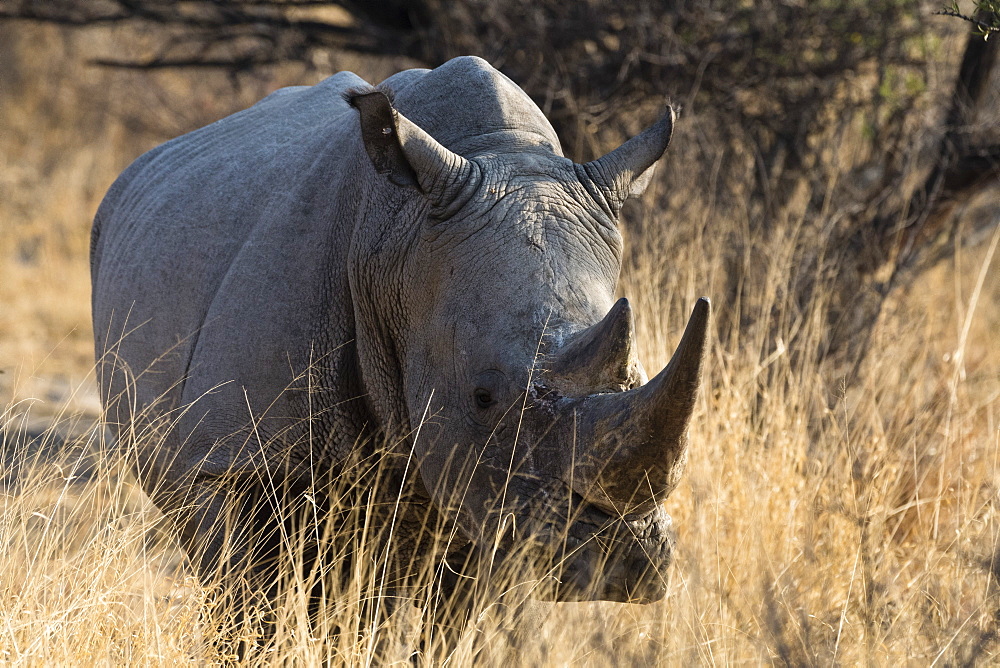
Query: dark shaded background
[(860, 126)]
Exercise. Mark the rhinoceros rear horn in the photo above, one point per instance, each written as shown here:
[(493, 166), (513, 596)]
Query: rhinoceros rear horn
[(629, 168), (407, 155), (602, 357)]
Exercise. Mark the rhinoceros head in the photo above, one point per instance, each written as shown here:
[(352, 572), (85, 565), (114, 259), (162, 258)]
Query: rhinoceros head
[(488, 293)]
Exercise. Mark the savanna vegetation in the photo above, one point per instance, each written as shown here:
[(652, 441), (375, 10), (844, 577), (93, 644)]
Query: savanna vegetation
[(832, 185)]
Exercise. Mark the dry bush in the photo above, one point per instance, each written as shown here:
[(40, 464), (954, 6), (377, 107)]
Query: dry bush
[(861, 533)]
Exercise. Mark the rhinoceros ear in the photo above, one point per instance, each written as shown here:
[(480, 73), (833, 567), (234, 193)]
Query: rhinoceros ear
[(407, 155), (629, 168), (381, 139)]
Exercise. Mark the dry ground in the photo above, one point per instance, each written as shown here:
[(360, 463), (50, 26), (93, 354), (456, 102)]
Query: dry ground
[(820, 521)]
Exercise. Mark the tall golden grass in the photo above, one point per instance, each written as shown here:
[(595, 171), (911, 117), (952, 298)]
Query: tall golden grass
[(825, 518)]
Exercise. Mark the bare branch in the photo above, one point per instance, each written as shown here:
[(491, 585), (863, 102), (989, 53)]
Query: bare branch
[(985, 28)]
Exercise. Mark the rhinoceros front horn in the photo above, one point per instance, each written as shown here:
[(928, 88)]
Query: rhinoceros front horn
[(631, 447)]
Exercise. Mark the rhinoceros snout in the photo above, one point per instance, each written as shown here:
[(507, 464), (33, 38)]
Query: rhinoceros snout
[(625, 562), (638, 578)]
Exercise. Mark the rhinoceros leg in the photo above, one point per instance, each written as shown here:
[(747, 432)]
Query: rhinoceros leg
[(451, 602), (217, 537), (465, 589), (239, 541)]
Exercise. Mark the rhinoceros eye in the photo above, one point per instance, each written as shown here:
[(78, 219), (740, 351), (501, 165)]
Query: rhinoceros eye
[(483, 398)]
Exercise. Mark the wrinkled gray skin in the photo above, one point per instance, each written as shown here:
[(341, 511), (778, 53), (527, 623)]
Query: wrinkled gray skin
[(278, 291)]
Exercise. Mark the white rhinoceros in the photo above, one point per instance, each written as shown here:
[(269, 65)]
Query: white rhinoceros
[(414, 272)]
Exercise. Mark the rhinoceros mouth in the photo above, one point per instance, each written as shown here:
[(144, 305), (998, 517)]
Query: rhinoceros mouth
[(626, 560), (598, 557)]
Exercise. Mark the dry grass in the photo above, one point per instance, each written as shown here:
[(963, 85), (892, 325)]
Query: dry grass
[(821, 521)]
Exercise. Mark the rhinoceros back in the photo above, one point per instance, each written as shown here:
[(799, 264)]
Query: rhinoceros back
[(215, 254)]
